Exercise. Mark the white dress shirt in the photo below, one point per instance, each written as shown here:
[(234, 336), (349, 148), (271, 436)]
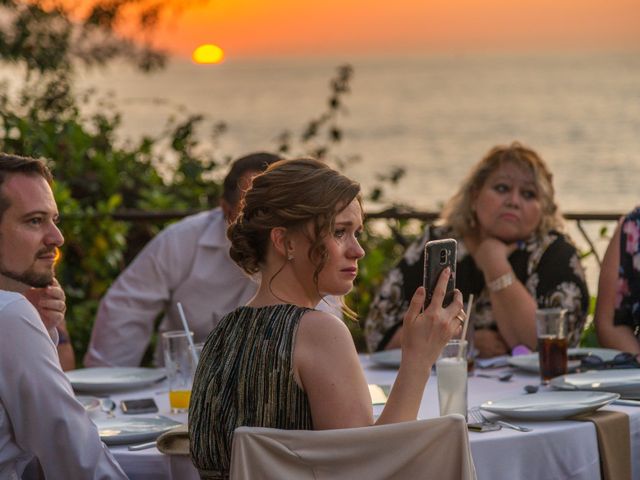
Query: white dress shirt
[(39, 415), (188, 262)]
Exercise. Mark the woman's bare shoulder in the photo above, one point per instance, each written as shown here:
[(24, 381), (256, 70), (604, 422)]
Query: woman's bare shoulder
[(319, 329)]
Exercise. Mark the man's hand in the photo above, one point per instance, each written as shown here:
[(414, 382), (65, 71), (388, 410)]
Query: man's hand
[(50, 304)]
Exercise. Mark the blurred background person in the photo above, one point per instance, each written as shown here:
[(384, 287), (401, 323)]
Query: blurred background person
[(188, 262), (511, 255), (617, 316), (296, 367)]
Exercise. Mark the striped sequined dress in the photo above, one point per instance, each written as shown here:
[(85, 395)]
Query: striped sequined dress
[(245, 378)]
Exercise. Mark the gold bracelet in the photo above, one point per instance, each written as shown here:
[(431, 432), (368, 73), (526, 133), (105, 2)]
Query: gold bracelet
[(500, 283)]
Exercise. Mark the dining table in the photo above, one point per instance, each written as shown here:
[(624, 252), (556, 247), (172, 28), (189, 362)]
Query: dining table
[(553, 449)]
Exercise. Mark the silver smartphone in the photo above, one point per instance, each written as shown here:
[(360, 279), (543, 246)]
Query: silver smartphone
[(438, 255)]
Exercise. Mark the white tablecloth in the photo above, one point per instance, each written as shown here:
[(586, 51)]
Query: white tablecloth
[(553, 450)]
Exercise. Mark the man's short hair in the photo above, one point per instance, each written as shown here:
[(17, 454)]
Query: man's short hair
[(254, 162), (12, 164)]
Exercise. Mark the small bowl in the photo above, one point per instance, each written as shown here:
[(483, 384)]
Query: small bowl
[(90, 404)]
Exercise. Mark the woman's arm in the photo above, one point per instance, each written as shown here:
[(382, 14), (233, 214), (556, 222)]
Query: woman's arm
[(327, 367), (609, 335), (65, 349), (512, 305)]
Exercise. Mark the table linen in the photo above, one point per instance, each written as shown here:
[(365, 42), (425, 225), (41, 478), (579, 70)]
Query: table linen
[(566, 449)]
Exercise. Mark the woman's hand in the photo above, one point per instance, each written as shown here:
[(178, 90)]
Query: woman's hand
[(426, 332), (489, 344), (491, 253)]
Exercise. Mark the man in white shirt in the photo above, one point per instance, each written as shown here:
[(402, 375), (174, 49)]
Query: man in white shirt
[(188, 262), (39, 415)]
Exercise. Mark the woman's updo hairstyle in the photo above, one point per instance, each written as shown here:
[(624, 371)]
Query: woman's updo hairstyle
[(294, 194)]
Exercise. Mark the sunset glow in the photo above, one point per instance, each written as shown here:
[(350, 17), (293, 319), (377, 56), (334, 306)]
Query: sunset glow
[(255, 28), (208, 54)]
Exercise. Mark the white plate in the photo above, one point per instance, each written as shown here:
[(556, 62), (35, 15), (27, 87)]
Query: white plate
[(626, 382), (530, 362), (549, 405), (90, 404), (119, 431), (107, 380), (387, 358)]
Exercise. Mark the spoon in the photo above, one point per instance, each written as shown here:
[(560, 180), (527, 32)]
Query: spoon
[(505, 377)]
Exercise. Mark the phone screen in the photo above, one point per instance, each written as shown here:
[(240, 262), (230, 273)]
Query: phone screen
[(139, 405), (438, 255)]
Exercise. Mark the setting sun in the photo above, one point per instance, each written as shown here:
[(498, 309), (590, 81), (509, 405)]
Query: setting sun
[(208, 54)]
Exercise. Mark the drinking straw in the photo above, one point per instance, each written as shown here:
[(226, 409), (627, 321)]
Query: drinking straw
[(465, 325), (192, 347)]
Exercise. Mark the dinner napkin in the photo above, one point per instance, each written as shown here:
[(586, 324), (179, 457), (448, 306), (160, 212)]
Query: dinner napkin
[(174, 441), (493, 362), (612, 430)]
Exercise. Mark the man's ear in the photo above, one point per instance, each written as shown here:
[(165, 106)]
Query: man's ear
[(229, 211), (280, 240)]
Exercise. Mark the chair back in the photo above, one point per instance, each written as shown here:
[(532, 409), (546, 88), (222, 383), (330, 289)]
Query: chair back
[(431, 449)]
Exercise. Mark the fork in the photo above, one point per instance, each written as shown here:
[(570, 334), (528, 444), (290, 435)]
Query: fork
[(476, 413)]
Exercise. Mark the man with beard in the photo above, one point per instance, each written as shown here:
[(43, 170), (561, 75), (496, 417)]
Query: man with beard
[(39, 415)]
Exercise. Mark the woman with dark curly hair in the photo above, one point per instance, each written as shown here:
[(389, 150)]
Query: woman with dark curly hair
[(278, 362), (511, 255)]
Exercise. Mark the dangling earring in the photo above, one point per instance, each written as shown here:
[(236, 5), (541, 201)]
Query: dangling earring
[(290, 256), (472, 217)]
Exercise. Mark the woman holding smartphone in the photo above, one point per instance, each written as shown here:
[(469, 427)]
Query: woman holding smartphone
[(278, 362), (512, 255)]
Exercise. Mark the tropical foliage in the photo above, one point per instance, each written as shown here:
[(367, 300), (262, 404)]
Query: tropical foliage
[(99, 176)]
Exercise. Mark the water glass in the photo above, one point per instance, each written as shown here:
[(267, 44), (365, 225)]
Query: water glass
[(180, 368), (551, 327), (451, 370)]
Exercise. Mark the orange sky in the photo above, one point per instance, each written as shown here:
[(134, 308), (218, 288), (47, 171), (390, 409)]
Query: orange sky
[(304, 27)]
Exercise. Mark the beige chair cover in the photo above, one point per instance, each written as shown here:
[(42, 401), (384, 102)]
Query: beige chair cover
[(174, 441), (435, 449)]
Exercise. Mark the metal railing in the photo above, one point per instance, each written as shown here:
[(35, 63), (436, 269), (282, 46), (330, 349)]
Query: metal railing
[(579, 218)]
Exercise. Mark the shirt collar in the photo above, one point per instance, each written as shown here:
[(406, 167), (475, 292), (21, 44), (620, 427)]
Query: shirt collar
[(215, 233)]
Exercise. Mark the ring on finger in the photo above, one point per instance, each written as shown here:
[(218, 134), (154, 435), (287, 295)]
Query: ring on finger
[(461, 317)]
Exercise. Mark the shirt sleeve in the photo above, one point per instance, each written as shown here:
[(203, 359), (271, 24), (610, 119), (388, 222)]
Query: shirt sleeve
[(127, 313), (387, 309), (47, 420), (559, 281)]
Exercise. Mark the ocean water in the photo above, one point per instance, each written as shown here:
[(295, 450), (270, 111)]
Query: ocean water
[(434, 115)]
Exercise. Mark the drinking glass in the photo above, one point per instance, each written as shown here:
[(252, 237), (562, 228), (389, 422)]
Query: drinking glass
[(451, 370), (551, 327), (180, 368)]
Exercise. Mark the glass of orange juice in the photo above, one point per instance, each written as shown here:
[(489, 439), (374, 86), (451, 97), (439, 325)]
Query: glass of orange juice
[(180, 367)]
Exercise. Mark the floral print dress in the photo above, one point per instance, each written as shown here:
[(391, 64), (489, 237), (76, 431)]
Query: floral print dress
[(628, 292), (548, 266)]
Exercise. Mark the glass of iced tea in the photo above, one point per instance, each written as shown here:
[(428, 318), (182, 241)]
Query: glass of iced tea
[(551, 326), (180, 367)]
